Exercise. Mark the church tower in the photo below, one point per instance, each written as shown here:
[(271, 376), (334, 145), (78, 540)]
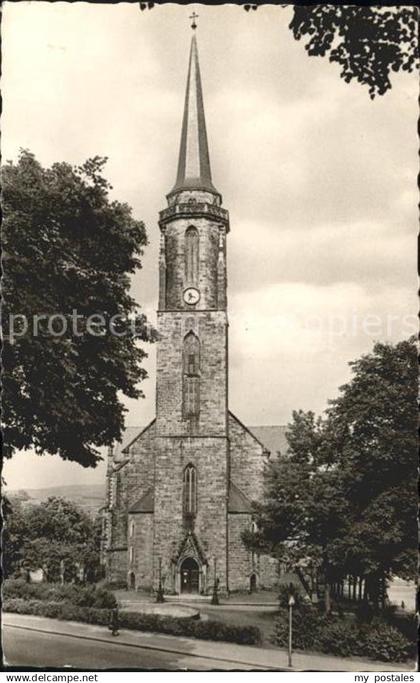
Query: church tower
[(179, 490), (192, 451)]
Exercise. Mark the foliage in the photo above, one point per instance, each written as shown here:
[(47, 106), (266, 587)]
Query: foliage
[(306, 624), (13, 534), (343, 499), (188, 628), (372, 439), (286, 591), (341, 637), (82, 596), (67, 248), (367, 42), (44, 535)]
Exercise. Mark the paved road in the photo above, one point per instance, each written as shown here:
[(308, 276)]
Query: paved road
[(37, 641), (27, 647)]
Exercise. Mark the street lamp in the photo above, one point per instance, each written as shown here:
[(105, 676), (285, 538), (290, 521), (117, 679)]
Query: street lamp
[(291, 603), (215, 596), (159, 594)]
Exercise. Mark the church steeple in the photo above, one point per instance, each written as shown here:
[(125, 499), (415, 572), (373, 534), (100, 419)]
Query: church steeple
[(194, 163)]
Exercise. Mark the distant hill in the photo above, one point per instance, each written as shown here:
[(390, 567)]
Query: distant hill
[(90, 497)]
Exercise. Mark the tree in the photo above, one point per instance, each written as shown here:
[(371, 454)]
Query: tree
[(68, 250), (367, 42), (47, 534), (343, 499), (60, 521), (304, 512), (372, 430), (13, 535)]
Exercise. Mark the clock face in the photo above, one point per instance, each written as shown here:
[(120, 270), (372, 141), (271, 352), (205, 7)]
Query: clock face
[(191, 296)]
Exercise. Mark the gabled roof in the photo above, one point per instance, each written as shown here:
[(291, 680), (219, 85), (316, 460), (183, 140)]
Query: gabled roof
[(190, 546), (129, 436), (247, 429), (273, 437), (145, 504), (238, 502)]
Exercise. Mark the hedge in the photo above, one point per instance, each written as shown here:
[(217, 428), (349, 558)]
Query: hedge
[(333, 635), (187, 628), (82, 596)]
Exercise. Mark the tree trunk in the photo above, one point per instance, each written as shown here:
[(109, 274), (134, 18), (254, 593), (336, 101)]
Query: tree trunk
[(359, 597), (327, 598), (365, 591)]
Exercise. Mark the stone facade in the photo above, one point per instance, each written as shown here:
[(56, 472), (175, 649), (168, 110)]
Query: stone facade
[(180, 491)]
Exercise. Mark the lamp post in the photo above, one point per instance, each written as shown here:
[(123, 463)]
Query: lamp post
[(291, 603), (159, 594), (215, 596)]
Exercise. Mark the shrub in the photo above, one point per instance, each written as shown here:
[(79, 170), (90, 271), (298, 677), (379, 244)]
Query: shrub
[(285, 591), (332, 635), (384, 642), (83, 596), (114, 585), (405, 622), (206, 630), (340, 638), (19, 588), (307, 622)]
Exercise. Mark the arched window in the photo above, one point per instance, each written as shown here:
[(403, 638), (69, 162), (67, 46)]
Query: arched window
[(132, 528), (191, 255), (191, 370), (190, 491), (191, 354)]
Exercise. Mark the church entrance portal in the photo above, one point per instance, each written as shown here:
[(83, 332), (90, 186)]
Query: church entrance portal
[(189, 576)]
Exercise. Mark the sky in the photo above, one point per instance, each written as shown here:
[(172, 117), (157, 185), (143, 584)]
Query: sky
[(319, 181)]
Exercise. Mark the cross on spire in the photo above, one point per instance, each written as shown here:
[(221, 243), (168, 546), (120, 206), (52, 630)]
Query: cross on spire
[(193, 17)]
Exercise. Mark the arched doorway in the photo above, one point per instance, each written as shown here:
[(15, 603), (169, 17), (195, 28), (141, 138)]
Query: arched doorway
[(189, 576), (252, 583), (132, 581)]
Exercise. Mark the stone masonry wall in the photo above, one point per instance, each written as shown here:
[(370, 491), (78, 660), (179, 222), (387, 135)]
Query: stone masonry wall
[(211, 329), (132, 481), (209, 456), (240, 559), (176, 281), (139, 473), (140, 538), (247, 461)]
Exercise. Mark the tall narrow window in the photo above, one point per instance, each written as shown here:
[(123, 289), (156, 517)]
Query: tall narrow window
[(190, 491), (191, 371), (191, 256)]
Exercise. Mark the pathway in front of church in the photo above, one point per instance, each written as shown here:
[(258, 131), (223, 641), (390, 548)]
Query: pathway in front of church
[(187, 651)]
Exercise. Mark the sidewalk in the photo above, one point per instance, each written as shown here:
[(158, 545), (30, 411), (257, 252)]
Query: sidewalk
[(258, 601), (251, 656)]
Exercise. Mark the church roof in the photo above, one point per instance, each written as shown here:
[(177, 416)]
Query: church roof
[(273, 437), (194, 161), (145, 504), (127, 437), (238, 501)]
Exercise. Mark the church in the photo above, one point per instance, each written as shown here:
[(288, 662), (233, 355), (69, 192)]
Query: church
[(180, 490)]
